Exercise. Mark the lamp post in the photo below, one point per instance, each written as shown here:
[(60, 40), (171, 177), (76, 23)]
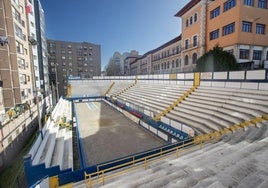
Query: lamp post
[(33, 42)]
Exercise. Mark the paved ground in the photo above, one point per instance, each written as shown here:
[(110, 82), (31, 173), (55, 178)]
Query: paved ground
[(108, 134)]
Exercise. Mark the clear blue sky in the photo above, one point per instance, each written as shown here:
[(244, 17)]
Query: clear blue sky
[(116, 25)]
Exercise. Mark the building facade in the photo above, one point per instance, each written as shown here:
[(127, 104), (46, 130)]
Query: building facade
[(72, 59), (18, 62), (15, 66), (41, 70), (238, 26)]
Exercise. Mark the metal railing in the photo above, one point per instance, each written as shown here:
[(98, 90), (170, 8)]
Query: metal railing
[(102, 175)]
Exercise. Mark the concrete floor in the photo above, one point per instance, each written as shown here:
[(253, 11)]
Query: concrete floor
[(107, 134)]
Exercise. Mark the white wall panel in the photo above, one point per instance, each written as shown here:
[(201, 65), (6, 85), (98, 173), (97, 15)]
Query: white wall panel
[(255, 75), (220, 75), (165, 120), (202, 83), (162, 135), (218, 84), (263, 86), (206, 75), (237, 75), (180, 76), (249, 85), (189, 75), (233, 85)]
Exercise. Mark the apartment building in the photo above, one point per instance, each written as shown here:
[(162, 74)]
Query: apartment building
[(19, 74), (42, 74), (15, 66), (72, 59), (167, 58), (164, 59), (239, 26)]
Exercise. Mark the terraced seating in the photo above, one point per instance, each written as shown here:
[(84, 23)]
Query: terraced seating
[(118, 87), (237, 160), (152, 97), (89, 87), (212, 109), (56, 146)]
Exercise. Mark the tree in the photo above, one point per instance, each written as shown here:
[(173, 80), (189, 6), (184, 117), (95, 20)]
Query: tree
[(112, 68), (216, 60)]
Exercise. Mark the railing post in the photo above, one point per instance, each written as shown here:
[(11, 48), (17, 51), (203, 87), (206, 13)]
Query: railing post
[(177, 152), (102, 177), (145, 163), (133, 160), (90, 181)]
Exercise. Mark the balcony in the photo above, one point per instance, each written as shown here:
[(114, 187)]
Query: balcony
[(191, 46)]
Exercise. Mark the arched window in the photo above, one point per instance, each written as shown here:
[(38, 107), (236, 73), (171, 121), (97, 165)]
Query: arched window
[(173, 64), (168, 65), (194, 58), (191, 20), (165, 65), (186, 59), (195, 17), (177, 62), (187, 23)]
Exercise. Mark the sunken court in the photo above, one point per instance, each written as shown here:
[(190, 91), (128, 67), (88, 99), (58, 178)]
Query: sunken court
[(107, 134)]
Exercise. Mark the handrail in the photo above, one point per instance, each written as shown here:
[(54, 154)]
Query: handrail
[(175, 103), (128, 157), (109, 89), (201, 139), (90, 179)]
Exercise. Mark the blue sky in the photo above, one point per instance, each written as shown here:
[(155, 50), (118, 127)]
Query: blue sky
[(116, 25)]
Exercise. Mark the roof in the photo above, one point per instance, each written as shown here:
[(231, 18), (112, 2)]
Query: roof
[(178, 38), (187, 7)]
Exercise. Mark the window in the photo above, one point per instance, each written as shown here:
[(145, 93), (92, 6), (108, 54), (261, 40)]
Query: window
[(256, 55), (229, 4), (168, 65), (195, 41), (186, 59), (187, 23), (214, 13), (21, 63), (191, 20), (177, 62), (19, 47), (246, 26), (249, 2), (214, 34), (228, 29), (262, 4), (244, 54), (173, 64), (267, 55), (195, 17), (194, 58), (260, 28), (187, 44), (18, 31)]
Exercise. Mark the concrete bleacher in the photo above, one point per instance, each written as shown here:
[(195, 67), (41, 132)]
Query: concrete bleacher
[(237, 160), (119, 86), (94, 88), (152, 97), (212, 109), (56, 146)]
